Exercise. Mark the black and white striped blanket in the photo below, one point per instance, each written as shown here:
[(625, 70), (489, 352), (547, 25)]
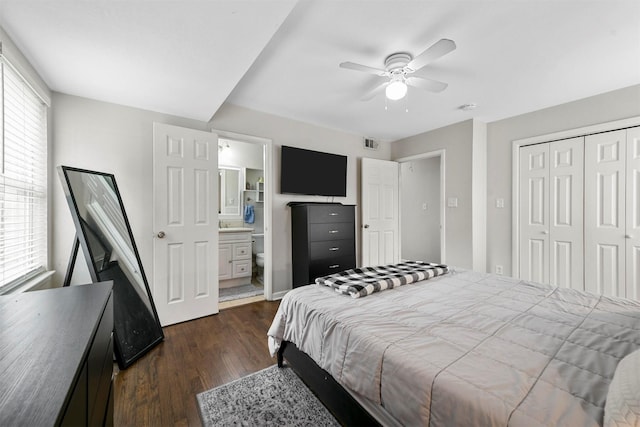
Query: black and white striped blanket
[(360, 282)]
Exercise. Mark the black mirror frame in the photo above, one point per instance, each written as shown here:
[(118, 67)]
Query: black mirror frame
[(82, 239)]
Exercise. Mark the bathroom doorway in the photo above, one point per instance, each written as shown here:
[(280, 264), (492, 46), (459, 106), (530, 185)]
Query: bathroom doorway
[(422, 213), (244, 218)]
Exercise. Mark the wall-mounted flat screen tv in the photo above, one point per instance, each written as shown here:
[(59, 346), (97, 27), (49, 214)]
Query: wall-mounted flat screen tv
[(312, 172)]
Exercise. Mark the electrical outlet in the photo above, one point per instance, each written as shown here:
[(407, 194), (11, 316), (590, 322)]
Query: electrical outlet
[(499, 270), (500, 203), (424, 206)]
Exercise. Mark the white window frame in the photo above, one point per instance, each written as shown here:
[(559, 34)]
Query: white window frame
[(23, 178)]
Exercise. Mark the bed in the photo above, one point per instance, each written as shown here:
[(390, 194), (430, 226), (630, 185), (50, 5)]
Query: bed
[(463, 349)]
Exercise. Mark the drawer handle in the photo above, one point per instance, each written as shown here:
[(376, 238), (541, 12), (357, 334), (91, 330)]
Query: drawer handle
[(334, 266), (333, 214), (334, 231), (334, 249)]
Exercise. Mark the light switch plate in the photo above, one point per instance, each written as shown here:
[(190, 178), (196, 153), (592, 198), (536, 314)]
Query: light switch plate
[(500, 203), (452, 202)]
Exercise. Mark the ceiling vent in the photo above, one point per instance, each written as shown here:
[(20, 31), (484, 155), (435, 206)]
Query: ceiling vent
[(370, 144)]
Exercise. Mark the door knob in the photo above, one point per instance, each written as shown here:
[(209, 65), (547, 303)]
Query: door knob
[(545, 232), (161, 235), (366, 226), (628, 236)]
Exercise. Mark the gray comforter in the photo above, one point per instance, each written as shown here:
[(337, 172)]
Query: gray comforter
[(467, 349)]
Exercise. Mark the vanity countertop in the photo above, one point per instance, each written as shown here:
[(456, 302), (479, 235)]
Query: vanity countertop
[(235, 230)]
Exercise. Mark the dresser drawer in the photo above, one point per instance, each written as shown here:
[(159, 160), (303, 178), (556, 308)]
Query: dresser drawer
[(321, 268), (241, 251), (331, 249), (100, 367), (98, 409), (331, 231), (331, 213)]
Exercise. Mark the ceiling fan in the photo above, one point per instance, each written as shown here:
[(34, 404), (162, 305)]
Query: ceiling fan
[(401, 71)]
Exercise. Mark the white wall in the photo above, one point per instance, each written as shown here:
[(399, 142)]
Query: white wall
[(457, 140), (297, 134), (616, 105), (24, 67), (116, 139), (420, 228), (479, 195), (108, 138)]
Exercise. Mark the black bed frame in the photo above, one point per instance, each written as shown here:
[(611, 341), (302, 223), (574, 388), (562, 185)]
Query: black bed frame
[(340, 403)]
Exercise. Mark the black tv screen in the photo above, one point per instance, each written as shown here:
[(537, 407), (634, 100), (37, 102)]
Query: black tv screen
[(312, 172)]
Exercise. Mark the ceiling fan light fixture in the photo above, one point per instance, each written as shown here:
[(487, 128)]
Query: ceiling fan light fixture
[(397, 89)]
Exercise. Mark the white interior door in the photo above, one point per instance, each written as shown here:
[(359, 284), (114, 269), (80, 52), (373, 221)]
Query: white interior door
[(185, 220), (566, 229), (633, 214), (534, 213), (380, 209), (605, 213)]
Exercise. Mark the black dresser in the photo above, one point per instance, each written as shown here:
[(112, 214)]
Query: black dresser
[(56, 357), (323, 240)]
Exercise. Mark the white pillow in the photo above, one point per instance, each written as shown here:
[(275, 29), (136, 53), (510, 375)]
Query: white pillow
[(622, 407)]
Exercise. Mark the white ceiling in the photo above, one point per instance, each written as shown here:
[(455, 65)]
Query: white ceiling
[(187, 57), (176, 57)]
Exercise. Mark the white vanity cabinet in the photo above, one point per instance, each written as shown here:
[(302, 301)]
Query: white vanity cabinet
[(234, 256)]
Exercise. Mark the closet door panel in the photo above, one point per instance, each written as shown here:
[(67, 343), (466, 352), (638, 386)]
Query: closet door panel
[(566, 226), (534, 213), (605, 213), (632, 235)]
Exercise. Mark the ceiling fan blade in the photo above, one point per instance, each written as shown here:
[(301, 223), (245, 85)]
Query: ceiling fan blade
[(426, 84), (437, 50), (363, 68), (373, 92)]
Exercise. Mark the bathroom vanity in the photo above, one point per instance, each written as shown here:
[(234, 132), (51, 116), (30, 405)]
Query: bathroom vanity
[(234, 256)]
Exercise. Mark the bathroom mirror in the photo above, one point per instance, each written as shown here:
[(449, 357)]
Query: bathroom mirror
[(104, 234), (230, 186)]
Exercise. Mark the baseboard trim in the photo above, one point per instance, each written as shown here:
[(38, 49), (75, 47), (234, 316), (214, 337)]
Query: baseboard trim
[(275, 296)]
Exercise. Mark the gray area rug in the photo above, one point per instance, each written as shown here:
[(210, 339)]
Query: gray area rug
[(271, 397), (237, 292)]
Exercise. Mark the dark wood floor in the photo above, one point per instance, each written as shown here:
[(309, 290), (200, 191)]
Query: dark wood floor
[(160, 389)]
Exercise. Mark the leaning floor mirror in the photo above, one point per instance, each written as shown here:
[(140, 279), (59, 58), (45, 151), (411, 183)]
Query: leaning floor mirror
[(104, 234)]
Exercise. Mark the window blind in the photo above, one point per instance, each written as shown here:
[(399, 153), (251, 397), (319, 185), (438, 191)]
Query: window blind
[(23, 180)]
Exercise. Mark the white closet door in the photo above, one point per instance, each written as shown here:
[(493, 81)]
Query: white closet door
[(534, 213), (605, 213), (633, 214), (566, 160)]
